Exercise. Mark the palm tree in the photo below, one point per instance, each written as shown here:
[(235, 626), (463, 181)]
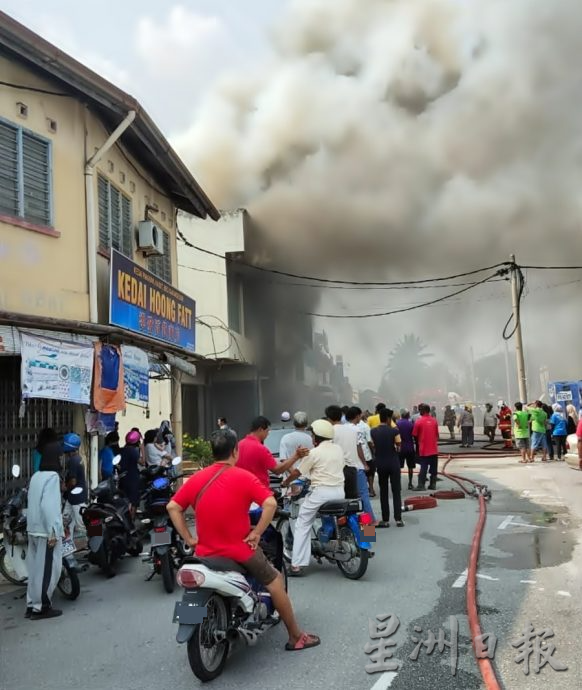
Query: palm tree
[(408, 369)]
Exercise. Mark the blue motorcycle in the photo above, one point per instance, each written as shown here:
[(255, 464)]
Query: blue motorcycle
[(344, 535)]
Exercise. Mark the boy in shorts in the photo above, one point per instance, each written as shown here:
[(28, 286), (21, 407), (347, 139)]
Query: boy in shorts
[(521, 432)]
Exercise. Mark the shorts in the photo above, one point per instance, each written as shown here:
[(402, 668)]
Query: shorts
[(539, 440), (259, 567), (410, 458), (522, 443)]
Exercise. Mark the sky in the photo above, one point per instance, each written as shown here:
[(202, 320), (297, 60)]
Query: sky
[(166, 54)]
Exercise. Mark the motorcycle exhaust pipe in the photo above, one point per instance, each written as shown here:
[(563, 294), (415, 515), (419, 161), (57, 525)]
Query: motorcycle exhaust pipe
[(249, 637)]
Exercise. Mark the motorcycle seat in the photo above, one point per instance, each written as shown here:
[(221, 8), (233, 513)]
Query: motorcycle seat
[(351, 505), (216, 563)]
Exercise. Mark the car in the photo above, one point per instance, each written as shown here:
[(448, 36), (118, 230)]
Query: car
[(273, 440), (572, 452)]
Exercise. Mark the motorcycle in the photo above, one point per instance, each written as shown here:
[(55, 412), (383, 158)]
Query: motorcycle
[(222, 605), (167, 547), (14, 545), (110, 529), (343, 537)]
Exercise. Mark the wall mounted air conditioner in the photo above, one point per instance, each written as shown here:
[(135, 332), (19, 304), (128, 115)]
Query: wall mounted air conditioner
[(150, 238)]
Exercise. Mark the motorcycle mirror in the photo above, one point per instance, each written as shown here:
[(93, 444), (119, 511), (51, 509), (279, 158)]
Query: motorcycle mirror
[(77, 490), (176, 461), (116, 460), (16, 471)]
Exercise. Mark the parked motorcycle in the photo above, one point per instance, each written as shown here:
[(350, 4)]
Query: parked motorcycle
[(14, 545), (167, 549), (223, 605), (110, 528), (344, 534)]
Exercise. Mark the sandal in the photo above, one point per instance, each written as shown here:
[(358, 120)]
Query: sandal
[(306, 641), (523, 462), (295, 572)]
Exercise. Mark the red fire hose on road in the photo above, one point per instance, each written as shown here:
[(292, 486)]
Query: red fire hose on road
[(483, 493)]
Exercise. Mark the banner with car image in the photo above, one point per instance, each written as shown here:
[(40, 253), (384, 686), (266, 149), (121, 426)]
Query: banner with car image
[(56, 369)]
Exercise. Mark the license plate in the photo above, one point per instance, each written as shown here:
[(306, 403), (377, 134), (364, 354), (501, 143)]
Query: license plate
[(368, 533), (68, 547), (161, 538), (95, 530)]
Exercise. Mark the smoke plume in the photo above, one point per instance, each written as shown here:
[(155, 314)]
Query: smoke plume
[(395, 139)]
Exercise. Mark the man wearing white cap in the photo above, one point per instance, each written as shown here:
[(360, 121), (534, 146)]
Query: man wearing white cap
[(324, 466)]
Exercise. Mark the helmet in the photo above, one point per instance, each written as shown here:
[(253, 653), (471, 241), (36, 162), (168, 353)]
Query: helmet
[(132, 438), (300, 419), (285, 416), (323, 429), (71, 443)]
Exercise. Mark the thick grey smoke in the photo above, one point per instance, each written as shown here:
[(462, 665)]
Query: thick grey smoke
[(397, 139)]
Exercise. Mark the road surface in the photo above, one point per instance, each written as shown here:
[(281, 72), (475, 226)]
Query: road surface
[(119, 633)]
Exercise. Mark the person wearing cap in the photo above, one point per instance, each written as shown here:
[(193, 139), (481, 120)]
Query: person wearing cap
[(324, 467), (296, 439), (74, 478)]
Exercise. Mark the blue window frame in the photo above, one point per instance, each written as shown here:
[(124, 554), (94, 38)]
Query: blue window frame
[(25, 175)]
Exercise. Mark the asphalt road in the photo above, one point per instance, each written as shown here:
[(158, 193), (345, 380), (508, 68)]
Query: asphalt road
[(119, 633)]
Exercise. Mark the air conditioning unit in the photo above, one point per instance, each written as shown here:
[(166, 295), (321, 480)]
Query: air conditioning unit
[(150, 239)]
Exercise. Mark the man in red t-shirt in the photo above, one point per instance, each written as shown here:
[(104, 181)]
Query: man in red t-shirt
[(426, 433), (221, 496), (255, 457)]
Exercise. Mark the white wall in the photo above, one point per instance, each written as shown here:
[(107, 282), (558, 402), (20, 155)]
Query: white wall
[(203, 277), (160, 405)]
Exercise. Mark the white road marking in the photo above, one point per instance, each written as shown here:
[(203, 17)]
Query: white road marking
[(525, 524), (385, 681), (461, 581), (506, 522), (525, 494), (529, 582), (541, 589), (564, 594), (488, 577)]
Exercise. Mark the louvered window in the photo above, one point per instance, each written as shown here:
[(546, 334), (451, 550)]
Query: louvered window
[(115, 226), (25, 175), (161, 266)]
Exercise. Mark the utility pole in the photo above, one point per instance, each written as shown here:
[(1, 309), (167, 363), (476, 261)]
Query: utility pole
[(518, 338), (507, 376)]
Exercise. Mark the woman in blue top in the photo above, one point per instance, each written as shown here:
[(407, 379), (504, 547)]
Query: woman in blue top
[(559, 430), (45, 437)]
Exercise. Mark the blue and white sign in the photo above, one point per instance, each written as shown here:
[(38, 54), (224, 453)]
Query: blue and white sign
[(142, 303), (136, 374)]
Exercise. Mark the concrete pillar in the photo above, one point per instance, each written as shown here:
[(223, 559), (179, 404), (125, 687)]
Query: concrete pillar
[(176, 411)]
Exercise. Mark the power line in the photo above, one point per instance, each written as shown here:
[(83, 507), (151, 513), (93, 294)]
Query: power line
[(339, 282), (418, 306), (552, 268)]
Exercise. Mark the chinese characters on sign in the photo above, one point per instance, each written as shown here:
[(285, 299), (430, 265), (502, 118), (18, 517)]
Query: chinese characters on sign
[(142, 303), (535, 651)]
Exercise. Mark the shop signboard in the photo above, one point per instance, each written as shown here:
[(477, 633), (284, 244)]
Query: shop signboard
[(56, 369), (142, 303)]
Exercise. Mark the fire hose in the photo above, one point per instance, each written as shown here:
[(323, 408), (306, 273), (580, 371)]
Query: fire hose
[(483, 494)]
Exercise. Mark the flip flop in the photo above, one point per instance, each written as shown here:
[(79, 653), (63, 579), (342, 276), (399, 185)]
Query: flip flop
[(523, 462), (295, 573), (306, 641)]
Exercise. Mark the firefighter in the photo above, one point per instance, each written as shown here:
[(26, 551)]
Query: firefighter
[(504, 417)]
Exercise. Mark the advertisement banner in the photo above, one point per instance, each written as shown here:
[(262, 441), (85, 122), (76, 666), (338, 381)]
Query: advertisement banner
[(56, 369), (136, 374), (142, 303)]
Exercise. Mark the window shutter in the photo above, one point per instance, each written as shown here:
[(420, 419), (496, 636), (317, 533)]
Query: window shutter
[(103, 203), (36, 179), (9, 170), (127, 228), (115, 217), (167, 260)]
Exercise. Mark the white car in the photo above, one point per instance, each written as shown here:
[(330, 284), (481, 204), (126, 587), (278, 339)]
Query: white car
[(572, 452)]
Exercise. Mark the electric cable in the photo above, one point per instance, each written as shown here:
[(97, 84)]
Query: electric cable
[(406, 309), (274, 271), (520, 290)]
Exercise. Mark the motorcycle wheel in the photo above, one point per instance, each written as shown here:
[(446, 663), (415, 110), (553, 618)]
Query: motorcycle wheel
[(206, 656), (135, 550), (104, 559), (167, 567), (355, 568), (7, 571), (68, 584), (284, 528)]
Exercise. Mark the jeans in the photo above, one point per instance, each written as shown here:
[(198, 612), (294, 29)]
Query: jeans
[(432, 462), (467, 435), (364, 493), (391, 476)]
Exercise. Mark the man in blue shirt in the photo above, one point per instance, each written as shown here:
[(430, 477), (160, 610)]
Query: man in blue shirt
[(559, 430), (108, 452), (74, 477)]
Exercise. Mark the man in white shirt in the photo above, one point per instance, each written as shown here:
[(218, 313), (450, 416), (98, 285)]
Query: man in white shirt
[(346, 436), (353, 416), (296, 439), (365, 441), (324, 466)]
